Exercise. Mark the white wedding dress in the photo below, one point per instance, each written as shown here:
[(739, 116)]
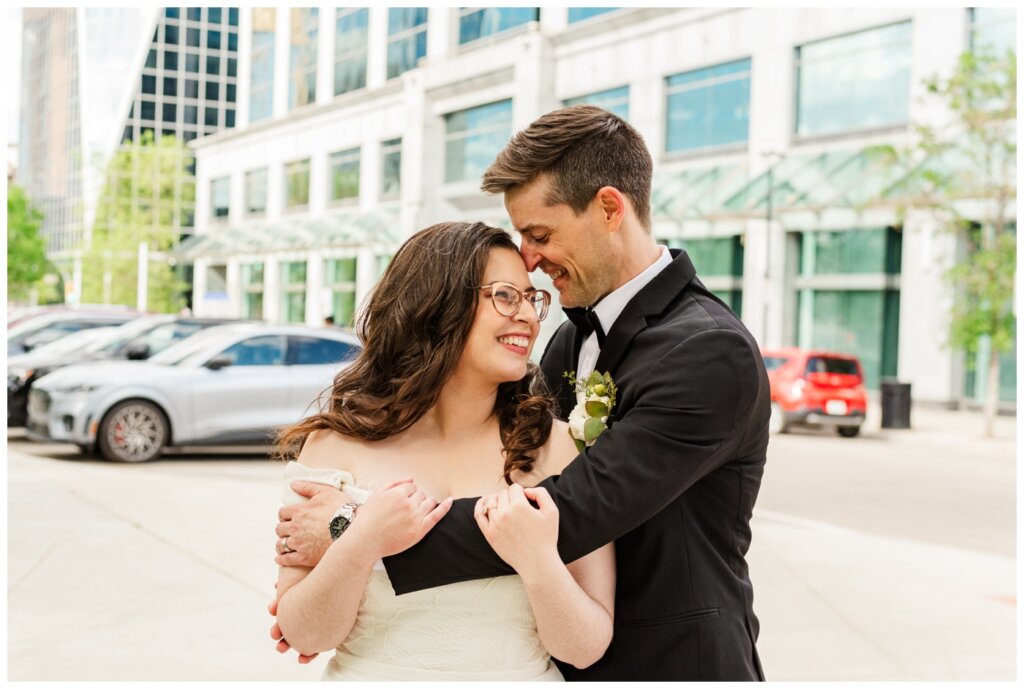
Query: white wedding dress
[(481, 630)]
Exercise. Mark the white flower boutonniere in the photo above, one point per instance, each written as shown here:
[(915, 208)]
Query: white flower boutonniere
[(595, 397)]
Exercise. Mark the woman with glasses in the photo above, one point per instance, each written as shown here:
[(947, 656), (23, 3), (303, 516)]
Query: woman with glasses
[(443, 403)]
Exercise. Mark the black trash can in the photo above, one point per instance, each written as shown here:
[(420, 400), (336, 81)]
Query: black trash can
[(895, 404)]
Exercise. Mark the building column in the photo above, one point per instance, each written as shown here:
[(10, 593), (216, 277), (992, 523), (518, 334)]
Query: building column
[(271, 289), (325, 55), (314, 289), (366, 273), (234, 279), (377, 45), (282, 56), (441, 21), (199, 287)]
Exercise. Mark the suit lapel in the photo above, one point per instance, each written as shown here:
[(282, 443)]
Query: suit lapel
[(648, 302)]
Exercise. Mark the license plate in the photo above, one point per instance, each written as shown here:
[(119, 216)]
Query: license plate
[(835, 407)]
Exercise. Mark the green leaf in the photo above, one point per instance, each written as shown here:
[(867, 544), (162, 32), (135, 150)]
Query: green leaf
[(596, 409), (580, 445), (593, 428)]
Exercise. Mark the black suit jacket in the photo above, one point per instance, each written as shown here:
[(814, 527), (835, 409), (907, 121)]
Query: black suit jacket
[(672, 481)]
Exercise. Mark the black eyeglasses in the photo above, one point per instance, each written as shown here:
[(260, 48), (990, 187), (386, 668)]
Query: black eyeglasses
[(507, 298)]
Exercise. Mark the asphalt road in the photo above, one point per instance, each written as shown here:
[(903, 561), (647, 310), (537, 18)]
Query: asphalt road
[(889, 556)]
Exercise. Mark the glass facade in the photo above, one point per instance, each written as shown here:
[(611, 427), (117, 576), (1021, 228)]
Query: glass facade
[(578, 14), (344, 166), (350, 48), (293, 292), (252, 291), (708, 107), (407, 38), (477, 23), (858, 321), (613, 100), (296, 184), (391, 167), (220, 197), (854, 82), (340, 279), (474, 137), (993, 29), (717, 260), (256, 191), (302, 59)]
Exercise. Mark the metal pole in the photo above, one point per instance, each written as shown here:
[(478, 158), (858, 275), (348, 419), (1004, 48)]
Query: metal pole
[(142, 296)]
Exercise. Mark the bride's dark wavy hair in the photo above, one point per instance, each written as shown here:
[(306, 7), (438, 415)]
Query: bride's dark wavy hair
[(413, 330)]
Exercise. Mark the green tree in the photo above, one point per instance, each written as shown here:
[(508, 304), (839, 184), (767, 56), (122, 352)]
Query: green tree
[(965, 173), (26, 250), (138, 205)]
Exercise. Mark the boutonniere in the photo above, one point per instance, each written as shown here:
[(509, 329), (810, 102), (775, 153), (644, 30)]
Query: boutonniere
[(595, 397)]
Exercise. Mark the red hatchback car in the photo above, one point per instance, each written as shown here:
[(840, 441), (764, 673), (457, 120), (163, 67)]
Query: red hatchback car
[(814, 387)]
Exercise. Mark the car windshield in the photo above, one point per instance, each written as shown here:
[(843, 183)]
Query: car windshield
[(773, 362), (124, 334), (823, 364), (84, 340), (178, 352)]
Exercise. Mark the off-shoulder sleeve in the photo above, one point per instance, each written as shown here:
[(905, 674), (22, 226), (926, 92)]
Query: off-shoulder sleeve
[(342, 480)]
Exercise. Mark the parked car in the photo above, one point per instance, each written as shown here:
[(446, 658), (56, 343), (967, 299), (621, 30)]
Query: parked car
[(136, 339), (230, 384), (53, 325), (813, 387)]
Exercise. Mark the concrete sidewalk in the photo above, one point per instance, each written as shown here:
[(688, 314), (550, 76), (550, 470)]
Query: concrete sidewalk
[(163, 572)]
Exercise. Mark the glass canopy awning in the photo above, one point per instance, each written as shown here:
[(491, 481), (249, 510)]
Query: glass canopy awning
[(299, 233)]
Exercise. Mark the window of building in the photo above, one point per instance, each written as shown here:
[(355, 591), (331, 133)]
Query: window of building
[(612, 100), (350, 48), (708, 107), (229, 118), (170, 60), (474, 137), (213, 40), (220, 197), (210, 117), (192, 37), (212, 64), (171, 34), (391, 167), (170, 112), (147, 110), (192, 62), (407, 38), (340, 279), (170, 86), (344, 167), (172, 13), (296, 184), (214, 15), (212, 90), (233, 16), (578, 14), (252, 291), (857, 319), (256, 191), (854, 82), (151, 59), (261, 90), (191, 114), (719, 262), (233, 41), (293, 291), (232, 67), (302, 61), (476, 23), (993, 29), (148, 84), (191, 88)]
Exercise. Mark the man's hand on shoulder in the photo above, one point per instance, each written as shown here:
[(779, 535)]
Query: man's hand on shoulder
[(307, 525)]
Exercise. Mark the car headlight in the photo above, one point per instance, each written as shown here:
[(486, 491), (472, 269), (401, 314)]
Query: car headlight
[(82, 387), (17, 377)]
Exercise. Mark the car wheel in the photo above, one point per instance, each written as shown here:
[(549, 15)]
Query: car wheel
[(133, 431), (777, 422), (848, 431)]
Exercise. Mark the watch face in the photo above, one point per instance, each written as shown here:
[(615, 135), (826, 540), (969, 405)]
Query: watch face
[(338, 526)]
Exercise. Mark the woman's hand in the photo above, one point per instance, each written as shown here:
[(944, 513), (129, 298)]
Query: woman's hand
[(394, 518), (523, 536)]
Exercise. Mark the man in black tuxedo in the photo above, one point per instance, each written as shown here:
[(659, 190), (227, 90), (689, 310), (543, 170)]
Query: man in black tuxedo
[(674, 478)]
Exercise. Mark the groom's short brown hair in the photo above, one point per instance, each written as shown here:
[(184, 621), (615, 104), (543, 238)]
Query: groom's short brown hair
[(583, 148)]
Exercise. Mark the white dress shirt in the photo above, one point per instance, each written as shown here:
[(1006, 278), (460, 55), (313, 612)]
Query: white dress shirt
[(609, 308)]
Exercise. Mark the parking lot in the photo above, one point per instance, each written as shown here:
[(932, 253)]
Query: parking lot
[(887, 556)]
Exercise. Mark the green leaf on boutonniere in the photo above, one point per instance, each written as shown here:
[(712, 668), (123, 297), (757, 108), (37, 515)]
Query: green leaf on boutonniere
[(594, 378), (597, 409), (592, 428), (580, 445)]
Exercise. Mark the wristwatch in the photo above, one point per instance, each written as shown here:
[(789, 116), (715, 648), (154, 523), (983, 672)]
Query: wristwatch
[(342, 519)]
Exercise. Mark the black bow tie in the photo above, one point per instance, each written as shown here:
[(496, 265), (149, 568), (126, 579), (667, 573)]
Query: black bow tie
[(586, 321)]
